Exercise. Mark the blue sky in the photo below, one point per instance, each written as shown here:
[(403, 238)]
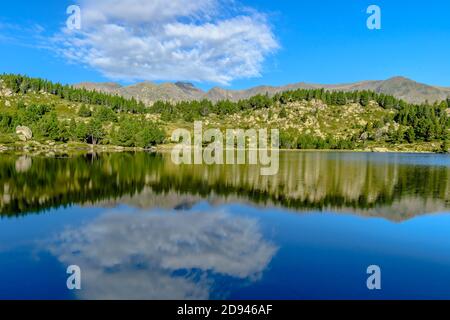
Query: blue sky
[(291, 41)]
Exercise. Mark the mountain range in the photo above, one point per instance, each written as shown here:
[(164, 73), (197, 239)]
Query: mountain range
[(148, 92)]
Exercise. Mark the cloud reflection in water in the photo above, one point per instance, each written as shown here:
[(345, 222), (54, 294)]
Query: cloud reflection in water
[(163, 255)]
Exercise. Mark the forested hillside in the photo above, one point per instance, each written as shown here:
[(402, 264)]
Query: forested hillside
[(306, 118)]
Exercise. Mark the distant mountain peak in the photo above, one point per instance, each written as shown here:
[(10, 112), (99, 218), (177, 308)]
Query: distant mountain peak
[(185, 85), (399, 78), (148, 92), (99, 86)]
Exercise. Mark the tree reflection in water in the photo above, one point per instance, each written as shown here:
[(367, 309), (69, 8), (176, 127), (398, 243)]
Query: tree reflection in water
[(393, 186)]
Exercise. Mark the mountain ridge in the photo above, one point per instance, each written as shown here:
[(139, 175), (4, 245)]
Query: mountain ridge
[(149, 92)]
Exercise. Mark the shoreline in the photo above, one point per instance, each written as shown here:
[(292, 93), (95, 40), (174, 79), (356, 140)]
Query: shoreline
[(36, 147), (53, 147)]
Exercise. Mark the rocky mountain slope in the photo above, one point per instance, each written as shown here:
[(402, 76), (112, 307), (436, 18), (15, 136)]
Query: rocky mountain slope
[(149, 92)]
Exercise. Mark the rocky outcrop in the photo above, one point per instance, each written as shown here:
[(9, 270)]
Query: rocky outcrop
[(24, 133), (4, 92)]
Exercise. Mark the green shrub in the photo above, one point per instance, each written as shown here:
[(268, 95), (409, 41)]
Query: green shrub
[(84, 111), (105, 114)]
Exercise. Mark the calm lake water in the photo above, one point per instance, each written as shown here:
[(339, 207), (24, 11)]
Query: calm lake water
[(140, 227)]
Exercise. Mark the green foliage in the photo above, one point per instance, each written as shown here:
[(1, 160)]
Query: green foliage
[(149, 135), (23, 84), (94, 131), (292, 139), (333, 97), (34, 116), (425, 122), (125, 135), (80, 132), (410, 135), (42, 119), (257, 102), (138, 133), (72, 130), (226, 107), (27, 116), (283, 113), (51, 128), (445, 146), (364, 98), (84, 111), (91, 132), (341, 99), (7, 120), (104, 114), (415, 123), (397, 136)]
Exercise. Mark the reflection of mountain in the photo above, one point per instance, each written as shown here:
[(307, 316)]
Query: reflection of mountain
[(393, 186), (163, 255)]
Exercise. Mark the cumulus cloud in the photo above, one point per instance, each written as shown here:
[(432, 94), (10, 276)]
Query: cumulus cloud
[(202, 40), (136, 256)]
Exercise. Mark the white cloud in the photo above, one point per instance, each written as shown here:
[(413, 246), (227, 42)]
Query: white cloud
[(202, 40), (110, 248)]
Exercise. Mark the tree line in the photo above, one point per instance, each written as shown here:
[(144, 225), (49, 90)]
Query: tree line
[(126, 131), (417, 122), (23, 84), (193, 109)]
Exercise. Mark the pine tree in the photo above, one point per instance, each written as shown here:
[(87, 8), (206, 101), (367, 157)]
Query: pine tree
[(341, 99), (94, 132), (364, 99), (410, 135)]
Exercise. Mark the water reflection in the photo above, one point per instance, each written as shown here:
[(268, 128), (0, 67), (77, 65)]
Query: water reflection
[(141, 227), (163, 255), (394, 186)]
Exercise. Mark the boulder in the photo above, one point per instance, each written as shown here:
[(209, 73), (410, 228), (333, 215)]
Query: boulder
[(5, 92), (24, 133), (364, 136), (381, 150)]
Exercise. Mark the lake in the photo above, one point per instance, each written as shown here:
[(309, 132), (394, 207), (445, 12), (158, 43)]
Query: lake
[(140, 227)]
